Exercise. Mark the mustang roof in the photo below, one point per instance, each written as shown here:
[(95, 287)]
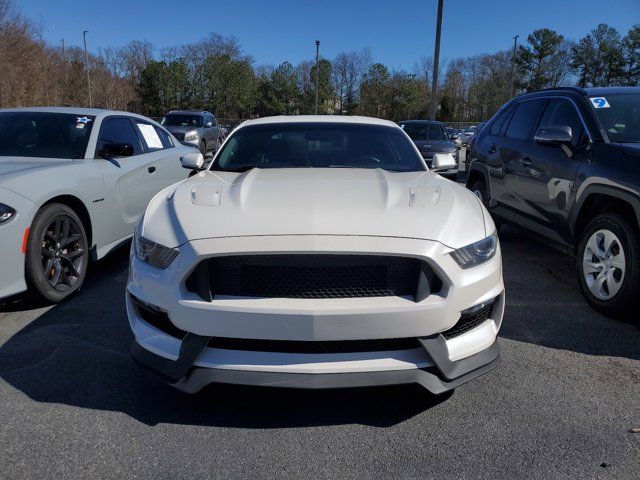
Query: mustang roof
[(320, 119)]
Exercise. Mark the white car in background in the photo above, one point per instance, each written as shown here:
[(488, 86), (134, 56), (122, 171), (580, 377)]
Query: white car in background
[(73, 184), (316, 252)]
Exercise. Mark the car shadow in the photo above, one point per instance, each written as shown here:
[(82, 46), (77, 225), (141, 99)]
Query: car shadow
[(545, 306), (77, 353)]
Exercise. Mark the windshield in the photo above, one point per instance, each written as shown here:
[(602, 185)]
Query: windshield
[(318, 145), (176, 120), (44, 135), (424, 131), (619, 115)]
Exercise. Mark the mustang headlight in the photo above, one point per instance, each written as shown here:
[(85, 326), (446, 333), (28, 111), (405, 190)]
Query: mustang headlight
[(151, 252), (476, 253), (191, 136), (6, 213)]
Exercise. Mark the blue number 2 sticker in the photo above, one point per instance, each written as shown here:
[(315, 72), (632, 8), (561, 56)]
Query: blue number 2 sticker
[(600, 102)]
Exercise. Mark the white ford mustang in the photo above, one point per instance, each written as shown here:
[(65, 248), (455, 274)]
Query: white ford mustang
[(316, 252)]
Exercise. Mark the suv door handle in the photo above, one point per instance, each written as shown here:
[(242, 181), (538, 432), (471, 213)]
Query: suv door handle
[(151, 169), (526, 161)]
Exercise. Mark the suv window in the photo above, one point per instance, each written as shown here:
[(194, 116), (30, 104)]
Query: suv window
[(562, 113), (497, 124), (119, 130), (523, 119)]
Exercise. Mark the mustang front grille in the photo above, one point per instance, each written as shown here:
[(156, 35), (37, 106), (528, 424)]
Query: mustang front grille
[(313, 276)]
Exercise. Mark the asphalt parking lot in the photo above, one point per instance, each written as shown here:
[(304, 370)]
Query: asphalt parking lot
[(560, 405)]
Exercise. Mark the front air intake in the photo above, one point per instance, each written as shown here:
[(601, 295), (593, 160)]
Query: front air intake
[(313, 276)]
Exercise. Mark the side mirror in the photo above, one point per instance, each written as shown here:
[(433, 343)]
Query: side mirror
[(443, 161), (192, 161), (116, 150), (208, 124), (554, 135)]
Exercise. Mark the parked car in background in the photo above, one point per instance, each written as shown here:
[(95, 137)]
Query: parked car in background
[(330, 257), (73, 183), (468, 157), (196, 128), (454, 135), (431, 138), (563, 163)]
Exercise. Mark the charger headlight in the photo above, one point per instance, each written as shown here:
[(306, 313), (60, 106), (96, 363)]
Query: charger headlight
[(477, 253), (6, 213), (152, 253)]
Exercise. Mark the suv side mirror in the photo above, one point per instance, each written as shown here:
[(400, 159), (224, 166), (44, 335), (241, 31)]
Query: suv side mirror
[(443, 161), (560, 135), (116, 150), (192, 161), (208, 124)]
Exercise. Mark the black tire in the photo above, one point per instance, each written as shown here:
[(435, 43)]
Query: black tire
[(621, 304), (478, 188), (203, 147), (56, 235)]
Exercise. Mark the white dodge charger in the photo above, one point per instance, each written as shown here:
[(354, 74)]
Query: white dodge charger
[(316, 252)]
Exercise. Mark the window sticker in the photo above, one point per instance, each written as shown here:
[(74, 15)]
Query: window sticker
[(150, 135), (82, 121), (599, 102)]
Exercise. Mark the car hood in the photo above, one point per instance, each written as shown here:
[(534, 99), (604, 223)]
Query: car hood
[(435, 145), (316, 201), (180, 129), (11, 167)]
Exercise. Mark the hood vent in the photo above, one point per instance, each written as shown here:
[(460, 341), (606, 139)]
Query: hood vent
[(423, 195)]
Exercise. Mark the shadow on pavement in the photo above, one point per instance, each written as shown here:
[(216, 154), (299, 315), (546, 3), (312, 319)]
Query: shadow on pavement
[(545, 306), (76, 353)]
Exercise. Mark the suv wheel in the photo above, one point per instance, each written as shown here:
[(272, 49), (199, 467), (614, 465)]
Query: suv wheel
[(608, 262), (479, 191), (57, 253)]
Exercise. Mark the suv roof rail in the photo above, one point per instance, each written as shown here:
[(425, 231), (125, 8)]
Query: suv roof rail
[(579, 90)]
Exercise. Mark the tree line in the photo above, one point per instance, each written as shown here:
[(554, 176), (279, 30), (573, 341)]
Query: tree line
[(215, 74)]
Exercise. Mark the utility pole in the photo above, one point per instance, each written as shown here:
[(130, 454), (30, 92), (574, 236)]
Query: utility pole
[(513, 64), (317, 74), (86, 66), (436, 61)]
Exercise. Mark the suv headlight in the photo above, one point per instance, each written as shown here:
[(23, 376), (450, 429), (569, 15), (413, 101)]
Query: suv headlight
[(151, 252), (476, 253), (6, 213), (191, 136)]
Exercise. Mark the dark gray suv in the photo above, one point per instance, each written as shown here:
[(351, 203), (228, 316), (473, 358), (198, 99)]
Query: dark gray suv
[(195, 128), (563, 163)]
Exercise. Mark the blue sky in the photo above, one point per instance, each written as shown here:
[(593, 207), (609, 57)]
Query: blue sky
[(397, 32)]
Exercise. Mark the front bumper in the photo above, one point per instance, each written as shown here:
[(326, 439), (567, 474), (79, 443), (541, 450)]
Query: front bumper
[(443, 376), (435, 363)]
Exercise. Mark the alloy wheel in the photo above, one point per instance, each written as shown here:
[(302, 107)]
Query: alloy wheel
[(62, 254), (604, 264)]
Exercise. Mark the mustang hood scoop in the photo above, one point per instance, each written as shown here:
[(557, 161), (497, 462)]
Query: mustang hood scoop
[(319, 201)]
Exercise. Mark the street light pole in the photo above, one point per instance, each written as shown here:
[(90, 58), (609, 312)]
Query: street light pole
[(436, 61), (317, 74), (86, 66), (513, 63)]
